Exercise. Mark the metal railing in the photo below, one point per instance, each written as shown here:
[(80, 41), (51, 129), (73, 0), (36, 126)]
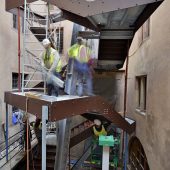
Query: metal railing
[(14, 148), (16, 143)]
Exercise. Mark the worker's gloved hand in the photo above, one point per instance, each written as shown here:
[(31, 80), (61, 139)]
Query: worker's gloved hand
[(49, 78)]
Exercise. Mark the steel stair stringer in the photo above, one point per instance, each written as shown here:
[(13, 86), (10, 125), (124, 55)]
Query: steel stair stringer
[(91, 105), (71, 106)]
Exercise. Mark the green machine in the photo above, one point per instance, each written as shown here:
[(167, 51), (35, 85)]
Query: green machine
[(106, 152)]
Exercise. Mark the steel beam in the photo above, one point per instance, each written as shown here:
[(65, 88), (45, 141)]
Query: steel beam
[(62, 144), (85, 8), (147, 12), (81, 137), (10, 4), (67, 105), (78, 19), (117, 34), (6, 132), (44, 130)]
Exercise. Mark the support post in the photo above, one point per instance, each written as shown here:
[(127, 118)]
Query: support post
[(19, 52), (105, 158), (6, 135), (106, 142), (24, 41), (44, 129), (63, 144), (126, 152), (60, 146)]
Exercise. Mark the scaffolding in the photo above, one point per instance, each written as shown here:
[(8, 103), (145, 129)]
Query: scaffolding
[(38, 25)]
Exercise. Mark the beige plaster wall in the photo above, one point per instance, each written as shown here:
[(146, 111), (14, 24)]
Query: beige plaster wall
[(152, 58), (8, 57), (8, 52)]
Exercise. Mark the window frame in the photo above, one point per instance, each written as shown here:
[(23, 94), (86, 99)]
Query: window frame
[(144, 32), (61, 47), (15, 84), (146, 29), (137, 156), (141, 94), (15, 22)]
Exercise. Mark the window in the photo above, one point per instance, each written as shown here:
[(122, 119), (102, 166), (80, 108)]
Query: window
[(15, 86), (59, 34), (141, 92), (144, 31), (15, 80), (15, 22), (137, 157), (22, 20)]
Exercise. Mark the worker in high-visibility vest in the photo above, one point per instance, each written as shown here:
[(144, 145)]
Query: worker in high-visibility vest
[(98, 128), (50, 59), (80, 54)]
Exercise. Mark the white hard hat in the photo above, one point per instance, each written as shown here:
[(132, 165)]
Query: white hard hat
[(45, 42), (79, 38), (97, 122)]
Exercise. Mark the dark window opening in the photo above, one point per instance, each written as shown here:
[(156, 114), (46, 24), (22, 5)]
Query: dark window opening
[(15, 80), (15, 22), (141, 92), (137, 157), (60, 41), (144, 31)]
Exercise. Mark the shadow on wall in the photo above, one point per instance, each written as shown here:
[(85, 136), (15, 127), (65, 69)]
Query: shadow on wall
[(105, 86)]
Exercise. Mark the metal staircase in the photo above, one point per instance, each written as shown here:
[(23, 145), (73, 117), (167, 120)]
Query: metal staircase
[(31, 71), (80, 132)]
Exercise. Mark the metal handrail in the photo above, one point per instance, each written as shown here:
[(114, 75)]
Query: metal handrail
[(11, 144), (90, 145), (11, 137)]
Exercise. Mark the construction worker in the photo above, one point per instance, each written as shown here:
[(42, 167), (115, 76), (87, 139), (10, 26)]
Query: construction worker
[(80, 54), (50, 59), (98, 128)]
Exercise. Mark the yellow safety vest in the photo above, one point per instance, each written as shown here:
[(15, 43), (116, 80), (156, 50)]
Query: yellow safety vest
[(50, 60), (76, 52), (102, 132), (73, 51)]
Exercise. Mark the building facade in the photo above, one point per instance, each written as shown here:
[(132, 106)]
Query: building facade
[(148, 92), (9, 54)]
